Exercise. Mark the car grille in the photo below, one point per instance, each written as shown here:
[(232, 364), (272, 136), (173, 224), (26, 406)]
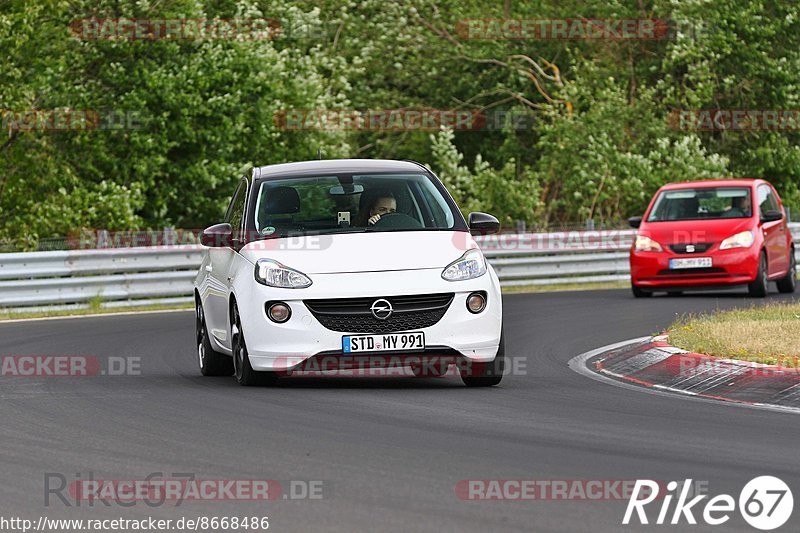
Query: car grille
[(354, 315), (698, 248), (684, 272)]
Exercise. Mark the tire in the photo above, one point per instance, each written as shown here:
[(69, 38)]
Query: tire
[(759, 287), (486, 374), (640, 293), (242, 370), (788, 283), (211, 362)]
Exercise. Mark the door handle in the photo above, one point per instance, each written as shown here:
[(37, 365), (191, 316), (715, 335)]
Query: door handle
[(209, 268), (230, 279)]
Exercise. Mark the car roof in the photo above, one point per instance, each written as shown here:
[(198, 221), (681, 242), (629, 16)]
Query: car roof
[(334, 166), (728, 182)]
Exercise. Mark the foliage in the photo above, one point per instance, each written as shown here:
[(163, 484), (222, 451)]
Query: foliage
[(203, 110), (512, 195)]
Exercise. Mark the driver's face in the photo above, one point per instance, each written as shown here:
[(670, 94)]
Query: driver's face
[(383, 206)]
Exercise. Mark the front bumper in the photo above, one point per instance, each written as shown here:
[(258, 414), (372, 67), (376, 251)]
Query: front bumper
[(729, 268), (275, 347)]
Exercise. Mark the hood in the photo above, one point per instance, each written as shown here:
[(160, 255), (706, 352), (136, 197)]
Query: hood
[(363, 252), (695, 231)]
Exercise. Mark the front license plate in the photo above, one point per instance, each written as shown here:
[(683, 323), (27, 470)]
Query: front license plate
[(388, 342), (690, 262)]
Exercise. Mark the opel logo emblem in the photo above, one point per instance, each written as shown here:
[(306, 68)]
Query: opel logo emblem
[(381, 309)]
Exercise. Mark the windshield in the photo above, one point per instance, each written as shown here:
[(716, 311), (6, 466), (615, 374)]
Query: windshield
[(352, 203), (702, 204)]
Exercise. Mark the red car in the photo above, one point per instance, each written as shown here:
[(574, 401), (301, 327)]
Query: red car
[(712, 234)]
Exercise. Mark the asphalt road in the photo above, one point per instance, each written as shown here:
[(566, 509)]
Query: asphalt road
[(389, 451)]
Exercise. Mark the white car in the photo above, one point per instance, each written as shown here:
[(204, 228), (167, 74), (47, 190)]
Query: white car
[(337, 264)]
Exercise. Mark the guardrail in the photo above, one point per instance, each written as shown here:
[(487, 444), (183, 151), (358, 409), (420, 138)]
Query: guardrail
[(123, 277), (120, 276)]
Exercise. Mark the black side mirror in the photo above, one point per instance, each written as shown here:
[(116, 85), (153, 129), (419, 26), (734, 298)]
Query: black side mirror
[(771, 216), (483, 224), (635, 222), (217, 236)]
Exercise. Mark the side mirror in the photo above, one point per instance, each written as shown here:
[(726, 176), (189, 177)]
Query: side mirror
[(483, 224), (635, 222), (771, 216), (217, 236)]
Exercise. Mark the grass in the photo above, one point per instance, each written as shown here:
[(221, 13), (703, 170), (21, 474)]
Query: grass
[(558, 287), (766, 334), (94, 308), (96, 304)]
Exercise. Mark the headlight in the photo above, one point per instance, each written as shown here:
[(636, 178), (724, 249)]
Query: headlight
[(470, 265), (744, 239), (274, 274), (646, 244)]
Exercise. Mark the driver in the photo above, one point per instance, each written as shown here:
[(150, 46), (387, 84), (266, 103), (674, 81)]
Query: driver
[(379, 203), (739, 208)]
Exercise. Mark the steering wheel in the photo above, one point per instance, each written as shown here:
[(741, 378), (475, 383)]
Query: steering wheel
[(397, 221)]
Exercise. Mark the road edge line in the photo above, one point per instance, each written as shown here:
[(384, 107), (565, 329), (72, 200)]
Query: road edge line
[(96, 315)]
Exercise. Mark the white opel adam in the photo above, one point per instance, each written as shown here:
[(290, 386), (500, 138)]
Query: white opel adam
[(343, 264)]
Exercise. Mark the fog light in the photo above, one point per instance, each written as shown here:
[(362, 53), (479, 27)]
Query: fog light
[(476, 302), (278, 312)]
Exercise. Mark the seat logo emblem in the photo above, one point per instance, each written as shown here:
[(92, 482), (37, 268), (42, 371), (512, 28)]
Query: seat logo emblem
[(690, 248), (381, 309)]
